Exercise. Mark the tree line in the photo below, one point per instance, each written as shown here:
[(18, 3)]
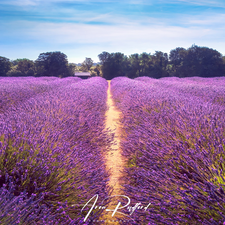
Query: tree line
[(47, 64), (181, 62), (194, 61)]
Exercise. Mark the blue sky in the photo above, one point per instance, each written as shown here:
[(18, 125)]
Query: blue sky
[(87, 28)]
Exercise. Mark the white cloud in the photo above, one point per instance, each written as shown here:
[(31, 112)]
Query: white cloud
[(210, 20), (126, 34)]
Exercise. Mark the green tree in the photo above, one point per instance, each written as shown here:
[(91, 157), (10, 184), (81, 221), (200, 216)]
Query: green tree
[(223, 59), (26, 67), (52, 64), (5, 66), (113, 64), (196, 61), (204, 62), (22, 67), (104, 57), (177, 57), (16, 61), (159, 62), (135, 66), (96, 71), (87, 64), (145, 64), (71, 69)]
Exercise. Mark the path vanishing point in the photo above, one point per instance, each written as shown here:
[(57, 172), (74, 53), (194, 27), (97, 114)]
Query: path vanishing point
[(114, 159)]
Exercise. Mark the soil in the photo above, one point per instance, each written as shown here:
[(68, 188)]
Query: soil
[(114, 159)]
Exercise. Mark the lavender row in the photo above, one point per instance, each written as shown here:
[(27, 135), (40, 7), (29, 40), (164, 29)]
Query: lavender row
[(195, 86), (174, 143), (14, 90), (51, 153)]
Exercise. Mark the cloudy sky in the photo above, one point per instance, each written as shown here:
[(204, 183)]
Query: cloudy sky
[(87, 28)]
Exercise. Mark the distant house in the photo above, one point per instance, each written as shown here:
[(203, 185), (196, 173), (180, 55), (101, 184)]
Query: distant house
[(83, 75)]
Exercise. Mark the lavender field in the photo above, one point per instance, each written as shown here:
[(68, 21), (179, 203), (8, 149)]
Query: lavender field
[(53, 142), (52, 138), (174, 142)]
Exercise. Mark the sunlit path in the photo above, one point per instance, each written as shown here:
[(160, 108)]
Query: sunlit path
[(114, 160)]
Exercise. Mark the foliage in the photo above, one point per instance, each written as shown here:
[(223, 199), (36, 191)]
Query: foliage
[(14, 72), (117, 64), (71, 69), (52, 64), (22, 67), (181, 62), (15, 62), (26, 67), (86, 65), (196, 61), (113, 64), (5, 66), (96, 71)]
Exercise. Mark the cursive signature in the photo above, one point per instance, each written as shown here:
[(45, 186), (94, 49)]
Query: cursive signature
[(115, 210)]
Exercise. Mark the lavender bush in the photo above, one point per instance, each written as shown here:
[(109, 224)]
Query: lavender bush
[(51, 142), (173, 139)]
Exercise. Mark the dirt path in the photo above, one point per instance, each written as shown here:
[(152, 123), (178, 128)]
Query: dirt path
[(114, 160)]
